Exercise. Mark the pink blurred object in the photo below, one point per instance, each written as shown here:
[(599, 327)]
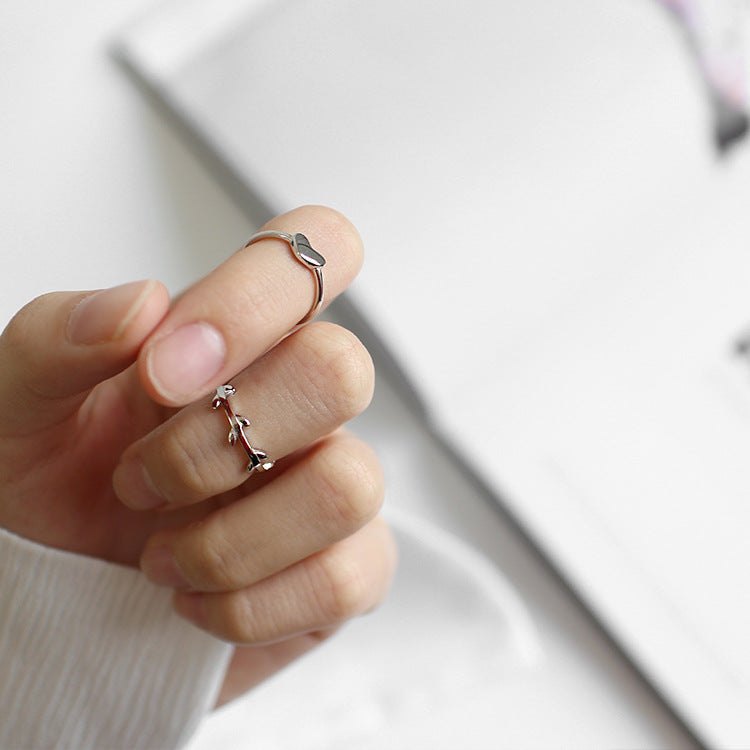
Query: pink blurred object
[(714, 30)]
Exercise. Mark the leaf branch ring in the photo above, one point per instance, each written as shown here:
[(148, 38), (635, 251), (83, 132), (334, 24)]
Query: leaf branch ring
[(258, 459)]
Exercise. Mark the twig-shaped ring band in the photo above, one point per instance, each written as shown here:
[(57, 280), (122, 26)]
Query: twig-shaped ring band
[(258, 459)]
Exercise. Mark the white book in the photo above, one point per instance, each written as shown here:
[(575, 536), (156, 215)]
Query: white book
[(557, 258)]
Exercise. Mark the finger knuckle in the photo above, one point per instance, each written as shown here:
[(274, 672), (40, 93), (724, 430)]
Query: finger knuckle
[(383, 566), (183, 454), (350, 482), (339, 371), (211, 559), (341, 590), (235, 617)]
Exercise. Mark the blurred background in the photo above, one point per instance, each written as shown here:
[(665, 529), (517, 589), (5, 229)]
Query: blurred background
[(554, 204)]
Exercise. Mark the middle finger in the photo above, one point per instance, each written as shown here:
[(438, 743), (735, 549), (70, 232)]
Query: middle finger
[(307, 386)]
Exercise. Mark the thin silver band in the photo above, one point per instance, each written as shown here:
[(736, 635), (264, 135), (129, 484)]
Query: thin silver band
[(258, 459), (307, 256)]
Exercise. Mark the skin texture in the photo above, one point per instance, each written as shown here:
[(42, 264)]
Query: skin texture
[(101, 455)]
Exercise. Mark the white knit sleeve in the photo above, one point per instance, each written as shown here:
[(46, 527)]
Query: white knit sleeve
[(92, 656)]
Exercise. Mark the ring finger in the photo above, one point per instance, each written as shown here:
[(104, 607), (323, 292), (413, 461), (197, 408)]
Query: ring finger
[(344, 580), (328, 494)]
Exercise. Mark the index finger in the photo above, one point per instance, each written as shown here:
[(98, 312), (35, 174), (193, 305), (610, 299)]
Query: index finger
[(243, 307)]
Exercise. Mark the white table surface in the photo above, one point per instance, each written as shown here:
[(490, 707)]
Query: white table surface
[(97, 190)]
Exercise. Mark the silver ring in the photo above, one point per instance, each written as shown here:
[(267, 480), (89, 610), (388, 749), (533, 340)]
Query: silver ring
[(258, 459), (307, 256)]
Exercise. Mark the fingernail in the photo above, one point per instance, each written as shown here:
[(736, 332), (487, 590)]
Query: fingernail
[(187, 359), (104, 316), (192, 607), (159, 565), (134, 486)]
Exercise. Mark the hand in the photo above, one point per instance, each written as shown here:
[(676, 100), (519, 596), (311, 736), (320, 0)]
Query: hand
[(118, 384)]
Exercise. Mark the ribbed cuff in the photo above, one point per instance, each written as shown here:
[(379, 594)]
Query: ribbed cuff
[(92, 656)]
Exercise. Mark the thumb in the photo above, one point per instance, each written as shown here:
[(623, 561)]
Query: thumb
[(60, 345)]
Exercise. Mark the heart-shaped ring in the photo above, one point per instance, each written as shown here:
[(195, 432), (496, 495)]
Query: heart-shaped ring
[(307, 256)]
